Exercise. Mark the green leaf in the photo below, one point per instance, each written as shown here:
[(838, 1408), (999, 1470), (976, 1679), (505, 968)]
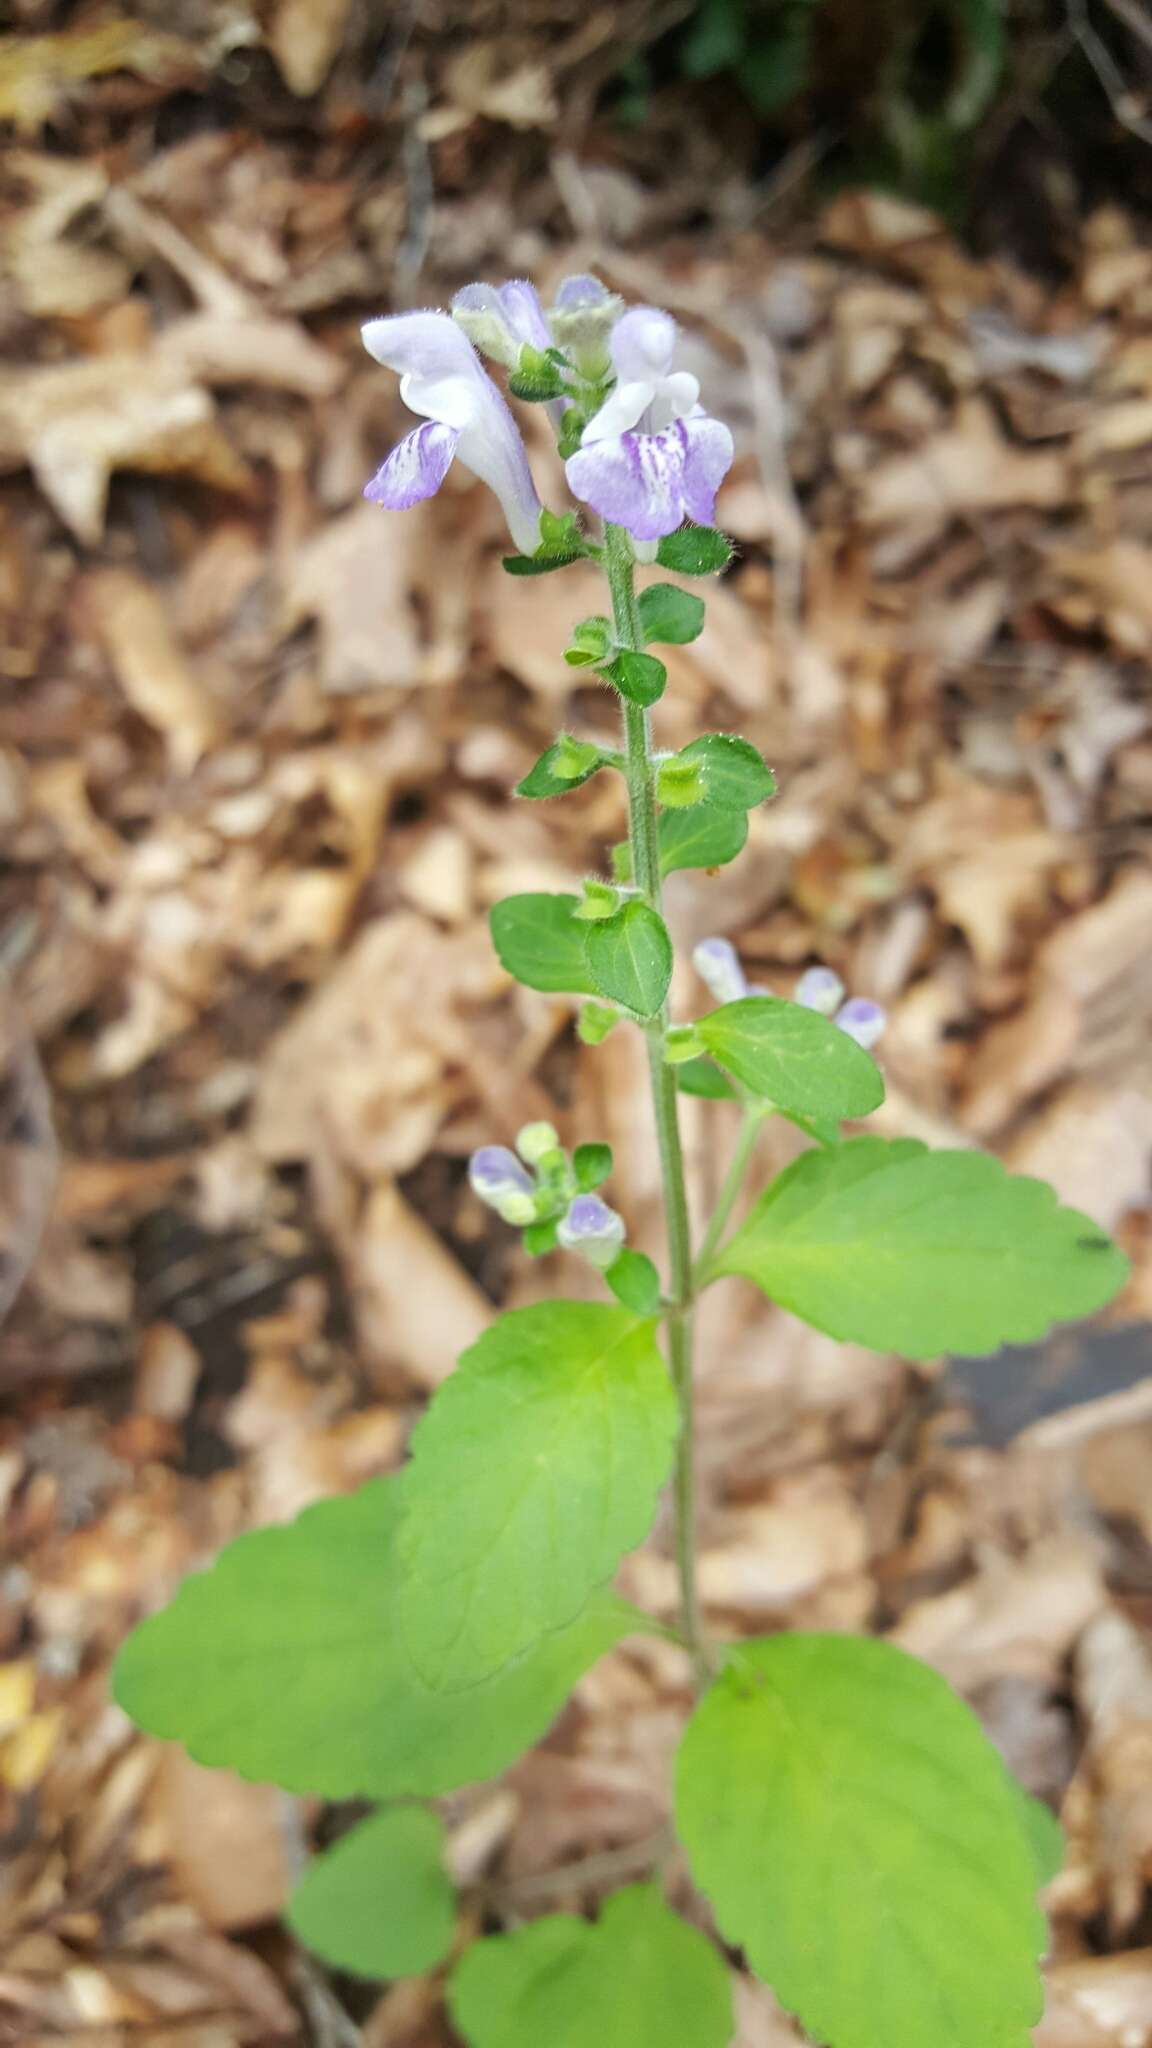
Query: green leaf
[(535, 1468), (541, 565), (629, 957), (695, 551), (285, 1662), (561, 767), (639, 677), (539, 1239), (703, 837), (561, 542), (380, 1902), (541, 942), (671, 616), (640, 1978), (701, 1077), (634, 1281), (1043, 1833), (881, 1242), (859, 1839), (537, 376), (591, 1164), (793, 1057), (736, 775), (595, 1022)]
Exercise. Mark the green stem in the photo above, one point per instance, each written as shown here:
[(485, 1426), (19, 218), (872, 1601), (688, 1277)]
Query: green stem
[(643, 834), (754, 1115)]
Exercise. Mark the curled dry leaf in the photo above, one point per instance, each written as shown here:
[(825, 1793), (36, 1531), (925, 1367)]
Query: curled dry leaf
[(150, 666), (74, 424)]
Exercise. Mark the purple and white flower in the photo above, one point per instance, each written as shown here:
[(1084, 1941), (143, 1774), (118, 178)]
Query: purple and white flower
[(498, 1177), (862, 1020), (592, 1229), (651, 457), (442, 377), (718, 964), (819, 988)]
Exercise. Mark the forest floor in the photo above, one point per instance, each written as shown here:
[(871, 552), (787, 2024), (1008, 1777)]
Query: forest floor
[(257, 746)]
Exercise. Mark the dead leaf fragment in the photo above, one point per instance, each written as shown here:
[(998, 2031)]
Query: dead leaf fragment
[(75, 423), (151, 667)]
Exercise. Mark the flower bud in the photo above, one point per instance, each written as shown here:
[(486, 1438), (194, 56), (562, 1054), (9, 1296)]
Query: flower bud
[(862, 1020), (497, 1176), (592, 1229), (581, 321), (519, 1210), (535, 1140), (717, 963), (819, 989)]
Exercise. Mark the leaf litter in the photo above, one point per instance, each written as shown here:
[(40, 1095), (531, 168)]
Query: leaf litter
[(254, 777)]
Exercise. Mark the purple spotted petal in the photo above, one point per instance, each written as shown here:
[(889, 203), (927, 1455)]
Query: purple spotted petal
[(416, 467), (635, 481), (862, 1020), (708, 458)]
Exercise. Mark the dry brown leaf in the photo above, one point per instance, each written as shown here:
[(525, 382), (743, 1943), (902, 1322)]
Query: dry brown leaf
[(1011, 1617), (1098, 2002), (1108, 1812), (416, 1308), (224, 1838), (355, 578), (1092, 1144), (278, 355), (968, 468), (75, 423), (37, 72), (1090, 1009), (305, 38), (364, 1060), (150, 665)]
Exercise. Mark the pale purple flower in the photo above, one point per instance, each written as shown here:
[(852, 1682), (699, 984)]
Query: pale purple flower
[(651, 457), (499, 1179), (592, 1229), (819, 989), (442, 377), (502, 318), (718, 964), (862, 1020)]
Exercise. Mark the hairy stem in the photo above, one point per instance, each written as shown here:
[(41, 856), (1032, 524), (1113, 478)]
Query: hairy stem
[(754, 1115), (645, 844)]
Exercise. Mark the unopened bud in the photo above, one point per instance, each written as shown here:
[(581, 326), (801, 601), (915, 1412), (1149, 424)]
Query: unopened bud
[(519, 1210), (592, 1229), (582, 320), (535, 1140), (819, 989), (718, 964), (862, 1020), (496, 1175)]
